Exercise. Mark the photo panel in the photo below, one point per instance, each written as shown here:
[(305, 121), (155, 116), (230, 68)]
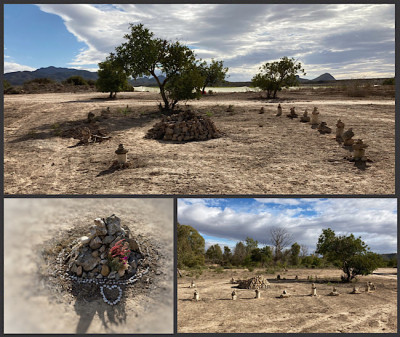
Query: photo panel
[(199, 99), (93, 265), (283, 265)]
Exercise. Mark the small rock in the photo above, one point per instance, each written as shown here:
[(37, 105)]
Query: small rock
[(103, 261), (84, 240), (84, 274), (112, 274), (121, 272), (133, 245), (95, 253), (103, 255), (99, 227), (79, 271), (108, 239), (99, 276), (95, 243), (87, 261), (105, 270), (102, 248), (91, 275), (113, 224)]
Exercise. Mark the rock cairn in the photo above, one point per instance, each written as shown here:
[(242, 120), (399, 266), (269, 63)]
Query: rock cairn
[(305, 118), (334, 292), (184, 126), (279, 110), (258, 282), (292, 114), (90, 257)]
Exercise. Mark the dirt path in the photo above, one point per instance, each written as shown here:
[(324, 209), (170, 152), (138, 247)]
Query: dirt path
[(258, 154), (216, 313), (31, 222)]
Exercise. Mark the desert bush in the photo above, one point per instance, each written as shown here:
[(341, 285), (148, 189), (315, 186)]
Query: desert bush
[(389, 81), (112, 77), (219, 270), (43, 80), (75, 80)]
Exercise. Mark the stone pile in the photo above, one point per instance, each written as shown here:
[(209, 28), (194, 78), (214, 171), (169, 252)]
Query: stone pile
[(258, 282), (90, 258), (184, 126)]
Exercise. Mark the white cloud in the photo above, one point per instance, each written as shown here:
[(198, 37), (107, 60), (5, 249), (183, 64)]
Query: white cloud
[(375, 220), (11, 67), (326, 38)]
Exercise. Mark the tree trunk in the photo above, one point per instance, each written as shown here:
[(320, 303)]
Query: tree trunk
[(110, 95), (162, 91)]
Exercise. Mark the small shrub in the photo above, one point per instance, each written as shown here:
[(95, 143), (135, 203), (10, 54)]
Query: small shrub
[(209, 113), (210, 92), (219, 270), (75, 80), (118, 255), (43, 80), (389, 81)]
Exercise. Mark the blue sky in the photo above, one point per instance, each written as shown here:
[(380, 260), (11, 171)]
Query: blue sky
[(338, 39), (227, 221)]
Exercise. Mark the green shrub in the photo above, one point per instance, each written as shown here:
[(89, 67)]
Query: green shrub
[(75, 80), (389, 81), (43, 80)]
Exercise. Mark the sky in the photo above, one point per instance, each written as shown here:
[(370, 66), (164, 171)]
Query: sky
[(345, 40), (228, 221)]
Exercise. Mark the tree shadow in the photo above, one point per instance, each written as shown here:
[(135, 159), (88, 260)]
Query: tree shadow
[(66, 129)]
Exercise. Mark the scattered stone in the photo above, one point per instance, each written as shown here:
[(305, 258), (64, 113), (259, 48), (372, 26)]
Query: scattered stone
[(347, 137), (112, 274), (359, 150), (192, 285), (79, 271), (133, 245), (121, 272), (284, 294), (315, 117), (185, 126), (261, 110), (258, 294), (339, 130), (292, 113), (90, 117), (84, 240), (233, 281), (95, 253), (305, 118), (279, 113), (234, 295), (323, 128), (230, 108), (196, 295), (313, 290), (334, 292), (355, 291), (296, 277)]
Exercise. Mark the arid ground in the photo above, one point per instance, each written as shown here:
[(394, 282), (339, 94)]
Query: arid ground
[(33, 301), (216, 312), (257, 154)]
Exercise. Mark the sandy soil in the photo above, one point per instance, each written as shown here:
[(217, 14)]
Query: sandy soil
[(258, 154), (216, 313), (30, 223)]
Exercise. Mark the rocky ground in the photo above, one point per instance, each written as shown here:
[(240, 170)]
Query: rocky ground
[(216, 312), (37, 230), (257, 153)]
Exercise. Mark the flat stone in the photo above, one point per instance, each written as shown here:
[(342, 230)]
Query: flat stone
[(95, 243), (121, 272), (112, 274), (113, 224), (102, 248), (99, 227), (133, 245), (87, 261), (108, 239), (105, 270)]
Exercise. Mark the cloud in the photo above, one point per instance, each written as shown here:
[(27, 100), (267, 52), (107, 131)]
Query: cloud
[(325, 38), (375, 220), (11, 67)]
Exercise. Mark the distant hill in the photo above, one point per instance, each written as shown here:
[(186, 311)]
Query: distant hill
[(61, 74), (54, 73)]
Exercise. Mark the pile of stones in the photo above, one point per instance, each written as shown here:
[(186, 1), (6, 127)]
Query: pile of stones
[(89, 257), (258, 282), (184, 126)]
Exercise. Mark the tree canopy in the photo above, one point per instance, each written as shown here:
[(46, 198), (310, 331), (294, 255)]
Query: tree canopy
[(349, 253), (213, 73), (190, 247), (273, 76), (111, 76)]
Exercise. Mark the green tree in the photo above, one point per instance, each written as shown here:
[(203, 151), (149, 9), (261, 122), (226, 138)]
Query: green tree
[(275, 75), (213, 73), (112, 77), (227, 256), (251, 244), (214, 254), (145, 55), (6, 85), (294, 254), (349, 253), (261, 256), (239, 254), (190, 247)]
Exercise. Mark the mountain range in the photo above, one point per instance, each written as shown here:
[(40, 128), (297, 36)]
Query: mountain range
[(61, 74)]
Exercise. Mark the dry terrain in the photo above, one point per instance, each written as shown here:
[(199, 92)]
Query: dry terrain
[(215, 312), (31, 293), (257, 154)]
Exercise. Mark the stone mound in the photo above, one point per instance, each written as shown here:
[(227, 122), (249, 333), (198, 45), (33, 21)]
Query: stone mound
[(184, 126), (106, 252), (258, 282)]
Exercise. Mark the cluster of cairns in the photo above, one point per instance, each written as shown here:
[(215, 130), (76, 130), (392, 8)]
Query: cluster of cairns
[(184, 126), (90, 256), (345, 137), (263, 284)]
